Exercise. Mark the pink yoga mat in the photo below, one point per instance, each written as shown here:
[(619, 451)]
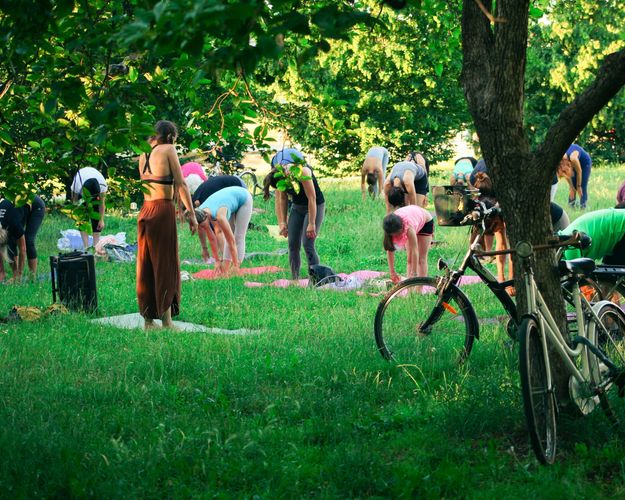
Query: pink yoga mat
[(362, 275), (212, 274)]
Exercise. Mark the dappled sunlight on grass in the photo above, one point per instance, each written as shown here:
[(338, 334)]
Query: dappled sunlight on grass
[(306, 408)]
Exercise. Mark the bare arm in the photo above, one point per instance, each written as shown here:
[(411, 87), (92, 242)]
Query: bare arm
[(387, 188), (577, 167), (380, 178), (409, 185), (281, 208), (363, 174), (102, 209), (224, 225), (205, 232), (412, 251), (578, 172), (181, 186), (309, 189), (17, 266), (390, 257)]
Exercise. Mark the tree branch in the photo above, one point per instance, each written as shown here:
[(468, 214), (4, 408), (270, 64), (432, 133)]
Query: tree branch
[(487, 13), (572, 120)]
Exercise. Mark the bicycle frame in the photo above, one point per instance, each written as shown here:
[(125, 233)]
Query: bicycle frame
[(553, 335), (498, 288)]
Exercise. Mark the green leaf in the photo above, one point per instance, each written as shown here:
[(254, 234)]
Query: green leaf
[(133, 74), (535, 12), (438, 69), (6, 138), (34, 144)]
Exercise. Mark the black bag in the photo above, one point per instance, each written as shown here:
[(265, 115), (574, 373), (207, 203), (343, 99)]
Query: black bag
[(73, 279), (322, 275)]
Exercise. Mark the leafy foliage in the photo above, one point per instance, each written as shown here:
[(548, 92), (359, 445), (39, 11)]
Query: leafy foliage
[(395, 84), (566, 48)]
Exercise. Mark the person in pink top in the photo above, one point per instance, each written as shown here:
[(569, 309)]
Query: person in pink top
[(193, 167), (410, 227)]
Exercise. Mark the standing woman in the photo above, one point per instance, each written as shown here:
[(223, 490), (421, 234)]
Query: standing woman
[(303, 223), (21, 225), (158, 265), (410, 227), (228, 208)]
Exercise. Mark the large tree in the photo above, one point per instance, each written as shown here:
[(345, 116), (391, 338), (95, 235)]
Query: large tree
[(494, 37)]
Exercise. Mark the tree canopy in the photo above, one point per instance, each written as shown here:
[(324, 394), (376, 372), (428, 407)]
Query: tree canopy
[(81, 83)]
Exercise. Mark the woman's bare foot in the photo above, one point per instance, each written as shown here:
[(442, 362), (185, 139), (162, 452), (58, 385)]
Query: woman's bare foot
[(149, 324)]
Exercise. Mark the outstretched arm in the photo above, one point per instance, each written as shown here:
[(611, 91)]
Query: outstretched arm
[(363, 174), (577, 167), (102, 209), (409, 185), (390, 257), (224, 225), (181, 186), (309, 189), (412, 251), (281, 212), (387, 188), (205, 232), (17, 266)]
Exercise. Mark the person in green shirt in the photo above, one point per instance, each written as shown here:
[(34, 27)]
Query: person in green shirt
[(607, 230)]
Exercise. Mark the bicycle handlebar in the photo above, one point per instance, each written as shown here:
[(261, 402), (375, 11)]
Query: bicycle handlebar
[(479, 213), (576, 240)]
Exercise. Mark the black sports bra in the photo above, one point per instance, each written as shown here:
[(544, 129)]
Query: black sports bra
[(167, 180)]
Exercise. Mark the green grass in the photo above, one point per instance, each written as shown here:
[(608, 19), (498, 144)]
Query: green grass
[(306, 408)]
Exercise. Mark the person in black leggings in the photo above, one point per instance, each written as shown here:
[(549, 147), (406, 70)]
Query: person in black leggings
[(305, 217), (21, 225)]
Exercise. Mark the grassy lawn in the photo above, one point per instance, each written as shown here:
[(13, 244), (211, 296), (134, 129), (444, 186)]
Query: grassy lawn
[(304, 408)]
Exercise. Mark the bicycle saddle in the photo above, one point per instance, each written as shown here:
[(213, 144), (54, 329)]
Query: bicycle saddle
[(577, 267)]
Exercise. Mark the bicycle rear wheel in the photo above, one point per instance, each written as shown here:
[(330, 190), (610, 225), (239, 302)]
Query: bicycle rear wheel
[(538, 398), (614, 291), (412, 325), (249, 178), (610, 337)]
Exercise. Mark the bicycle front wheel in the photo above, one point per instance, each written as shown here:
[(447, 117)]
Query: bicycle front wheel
[(414, 326), (249, 178), (610, 337), (538, 398)]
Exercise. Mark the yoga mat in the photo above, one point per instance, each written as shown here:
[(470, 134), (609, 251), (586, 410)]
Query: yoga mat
[(134, 321), (211, 274)]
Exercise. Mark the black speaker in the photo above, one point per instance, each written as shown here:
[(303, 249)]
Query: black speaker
[(73, 280)]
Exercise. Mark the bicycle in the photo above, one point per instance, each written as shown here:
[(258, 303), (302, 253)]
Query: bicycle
[(231, 166), (592, 351), (432, 317)]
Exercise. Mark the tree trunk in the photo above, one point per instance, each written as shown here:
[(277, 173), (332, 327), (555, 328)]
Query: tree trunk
[(493, 78)]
